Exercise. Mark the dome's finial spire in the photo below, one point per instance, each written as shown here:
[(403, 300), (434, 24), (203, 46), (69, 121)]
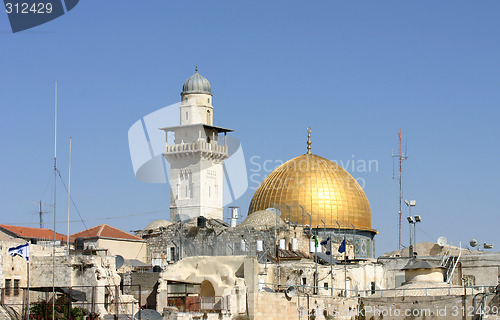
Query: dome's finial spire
[(196, 69), (308, 140)]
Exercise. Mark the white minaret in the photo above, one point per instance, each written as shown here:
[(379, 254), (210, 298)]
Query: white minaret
[(197, 155)]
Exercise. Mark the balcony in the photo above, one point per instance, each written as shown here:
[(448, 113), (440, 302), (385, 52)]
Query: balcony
[(206, 148)]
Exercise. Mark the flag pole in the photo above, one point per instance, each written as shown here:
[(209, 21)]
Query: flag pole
[(315, 288), (331, 263), (28, 286), (345, 263)]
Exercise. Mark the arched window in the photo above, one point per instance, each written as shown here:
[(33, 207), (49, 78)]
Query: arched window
[(207, 289)]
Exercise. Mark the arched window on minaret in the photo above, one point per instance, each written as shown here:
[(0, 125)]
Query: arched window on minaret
[(208, 117)]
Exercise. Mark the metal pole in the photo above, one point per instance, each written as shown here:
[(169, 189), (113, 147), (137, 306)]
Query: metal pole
[(180, 235), (28, 287), (338, 226), (345, 263), (331, 263), (92, 300), (41, 225), (410, 248), (69, 192), (289, 215), (69, 302), (316, 265), (55, 191), (140, 315), (276, 234), (414, 235), (302, 216), (324, 227), (353, 241)]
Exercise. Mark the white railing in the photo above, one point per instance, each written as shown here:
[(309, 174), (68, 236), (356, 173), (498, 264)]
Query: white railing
[(195, 146), (393, 292)]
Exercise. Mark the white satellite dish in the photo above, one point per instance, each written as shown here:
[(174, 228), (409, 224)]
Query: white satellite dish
[(275, 210), (473, 243), (442, 241), (290, 291), (119, 261), (148, 314)]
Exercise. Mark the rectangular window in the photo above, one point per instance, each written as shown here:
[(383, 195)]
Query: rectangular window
[(8, 287), (172, 253), (304, 281), (187, 116), (16, 287), (325, 285)]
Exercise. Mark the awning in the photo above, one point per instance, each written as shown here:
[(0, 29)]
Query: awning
[(327, 259), (75, 295)]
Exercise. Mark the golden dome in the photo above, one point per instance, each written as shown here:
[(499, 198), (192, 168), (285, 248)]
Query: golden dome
[(325, 190)]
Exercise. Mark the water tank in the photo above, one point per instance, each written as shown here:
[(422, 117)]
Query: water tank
[(312, 248), (234, 212), (202, 222), (260, 246), (242, 245), (295, 244), (261, 284), (282, 244), (234, 216), (156, 269)]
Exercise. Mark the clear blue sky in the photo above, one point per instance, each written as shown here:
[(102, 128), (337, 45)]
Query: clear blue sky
[(355, 71)]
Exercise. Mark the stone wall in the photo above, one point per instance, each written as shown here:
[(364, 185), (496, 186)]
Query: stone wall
[(148, 282), (483, 268), (210, 241), (417, 308), (275, 306)]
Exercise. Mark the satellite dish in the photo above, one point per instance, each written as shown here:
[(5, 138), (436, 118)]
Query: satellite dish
[(442, 241), (276, 211), (290, 291), (148, 314), (119, 261), (473, 243)]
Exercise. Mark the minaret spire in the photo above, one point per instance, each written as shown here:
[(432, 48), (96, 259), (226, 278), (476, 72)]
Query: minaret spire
[(309, 140)]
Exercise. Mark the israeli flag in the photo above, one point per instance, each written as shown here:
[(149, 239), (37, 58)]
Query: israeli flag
[(342, 246), (325, 242), (22, 250)]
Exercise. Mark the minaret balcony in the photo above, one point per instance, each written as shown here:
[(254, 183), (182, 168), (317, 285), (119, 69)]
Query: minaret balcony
[(195, 147)]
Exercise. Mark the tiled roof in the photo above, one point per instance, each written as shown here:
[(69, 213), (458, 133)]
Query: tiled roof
[(104, 231), (33, 233)]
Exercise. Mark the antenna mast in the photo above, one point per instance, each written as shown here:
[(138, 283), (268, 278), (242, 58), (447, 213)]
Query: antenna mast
[(40, 212), (401, 156), (55, 192)]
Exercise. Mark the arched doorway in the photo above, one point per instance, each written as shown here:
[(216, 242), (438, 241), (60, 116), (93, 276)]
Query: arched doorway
[(207, 289), (207, 295)]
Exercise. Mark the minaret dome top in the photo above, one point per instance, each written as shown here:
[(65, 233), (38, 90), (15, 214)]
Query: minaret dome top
[(196, 84)]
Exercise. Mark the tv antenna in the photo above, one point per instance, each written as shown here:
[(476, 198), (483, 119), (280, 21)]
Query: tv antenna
[(401, 157), (40, 212)]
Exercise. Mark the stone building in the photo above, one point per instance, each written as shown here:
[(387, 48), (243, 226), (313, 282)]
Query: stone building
[(31, 235), (114, 241)]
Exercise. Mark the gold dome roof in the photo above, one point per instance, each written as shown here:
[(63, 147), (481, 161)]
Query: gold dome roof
[(325, 190)]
